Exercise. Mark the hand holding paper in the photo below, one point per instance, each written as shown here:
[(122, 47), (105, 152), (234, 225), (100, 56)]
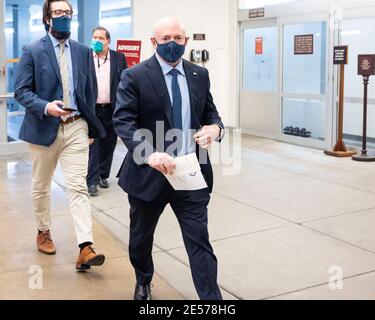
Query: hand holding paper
[(187, 175)]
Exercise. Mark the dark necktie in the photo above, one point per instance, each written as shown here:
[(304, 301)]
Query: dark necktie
[(177, 100)]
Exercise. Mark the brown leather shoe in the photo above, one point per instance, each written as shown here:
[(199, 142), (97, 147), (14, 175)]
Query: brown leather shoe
[(88, 258), (45, 243)]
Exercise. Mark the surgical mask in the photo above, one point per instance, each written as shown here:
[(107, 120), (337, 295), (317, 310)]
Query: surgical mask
[(97, 46), (170, 51), (61, 24)]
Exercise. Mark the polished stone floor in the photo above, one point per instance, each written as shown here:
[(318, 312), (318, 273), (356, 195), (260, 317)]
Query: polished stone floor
[(286, 222), (21, 264)]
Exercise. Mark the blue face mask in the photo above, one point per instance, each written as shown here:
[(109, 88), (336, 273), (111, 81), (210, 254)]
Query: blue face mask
[(61, 24), (170, 51), (97, 46)]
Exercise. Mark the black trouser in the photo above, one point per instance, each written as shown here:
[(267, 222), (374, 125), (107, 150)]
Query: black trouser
[(190, 208), (101, 151)]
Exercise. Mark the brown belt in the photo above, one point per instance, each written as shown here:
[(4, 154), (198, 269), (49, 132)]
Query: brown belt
[(71, 119)]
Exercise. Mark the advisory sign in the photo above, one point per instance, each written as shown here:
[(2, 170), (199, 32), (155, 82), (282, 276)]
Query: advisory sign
[(259, 45), (366, 65), (340, 55), (131, 49), (304, 44)]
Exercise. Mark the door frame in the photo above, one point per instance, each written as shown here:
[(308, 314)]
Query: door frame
[(300, 19), (3, 85), (15, 149)]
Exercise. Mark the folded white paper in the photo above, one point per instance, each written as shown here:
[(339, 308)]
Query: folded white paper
[(187, 175)]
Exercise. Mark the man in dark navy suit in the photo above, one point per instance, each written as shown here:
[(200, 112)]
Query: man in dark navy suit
[(161, 94), (54, 84), (107, 68)]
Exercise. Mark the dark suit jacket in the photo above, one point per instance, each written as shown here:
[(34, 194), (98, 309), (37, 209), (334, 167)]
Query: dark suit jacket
[(142, 100), (38, 82)]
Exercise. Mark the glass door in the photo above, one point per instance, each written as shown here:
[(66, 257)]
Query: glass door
[(357, 31), (23, 25), (3, 96), (304, 86), (258, 94)]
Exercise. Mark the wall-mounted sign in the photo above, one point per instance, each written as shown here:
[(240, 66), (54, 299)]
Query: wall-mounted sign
[(131, 49), (259, 45), (340, 55), (366, 65), (256, 13), (304, 44), (199, 36)]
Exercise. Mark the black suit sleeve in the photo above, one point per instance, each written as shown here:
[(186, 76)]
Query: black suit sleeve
[(90, 96), (89, 91), (125, 119), (210, 114)]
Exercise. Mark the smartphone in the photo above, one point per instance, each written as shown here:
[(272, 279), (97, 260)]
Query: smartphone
[(69, 109)]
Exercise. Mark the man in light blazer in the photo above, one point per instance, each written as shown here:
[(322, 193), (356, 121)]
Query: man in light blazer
[(54, 84)]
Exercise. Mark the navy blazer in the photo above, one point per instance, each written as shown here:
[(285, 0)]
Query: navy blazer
[(38, 82), (118, 64), (142, 100)]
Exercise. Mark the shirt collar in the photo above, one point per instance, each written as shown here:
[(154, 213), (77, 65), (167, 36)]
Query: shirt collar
[(166, 68), (108, 56), (56, 42)]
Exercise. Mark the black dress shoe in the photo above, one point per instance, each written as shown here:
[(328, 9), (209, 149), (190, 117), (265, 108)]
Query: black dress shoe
[(142, 292), (103, 183), (93, 190)]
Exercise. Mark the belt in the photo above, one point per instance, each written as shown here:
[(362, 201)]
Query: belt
[(71, 119), (103, 105)]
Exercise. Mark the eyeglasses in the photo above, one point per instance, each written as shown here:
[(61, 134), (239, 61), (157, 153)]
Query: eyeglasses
[(61, 12)]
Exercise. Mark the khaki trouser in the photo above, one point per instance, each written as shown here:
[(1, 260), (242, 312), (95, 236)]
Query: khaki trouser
[(71, 147)]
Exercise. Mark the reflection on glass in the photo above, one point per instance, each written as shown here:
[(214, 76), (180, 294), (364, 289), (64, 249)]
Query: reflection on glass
[(260, 55), (116, 16), (23, 25), (15, 118), (353, 121), (306, 73), (304, 118), (358, 35)]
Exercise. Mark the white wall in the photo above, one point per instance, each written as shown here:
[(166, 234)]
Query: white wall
[(218, 20), (302, 6)]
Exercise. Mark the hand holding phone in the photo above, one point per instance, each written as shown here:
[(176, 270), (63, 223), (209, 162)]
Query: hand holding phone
[(68, 109), (55, 109)]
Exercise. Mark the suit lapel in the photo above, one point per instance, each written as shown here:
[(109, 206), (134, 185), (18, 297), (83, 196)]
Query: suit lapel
[(73, 52), (113, 68), (47, 43), (192, 78), (93, 71), (156, 76), (113, 65)]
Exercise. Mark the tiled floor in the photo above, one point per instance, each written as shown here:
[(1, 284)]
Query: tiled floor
[(19, 257), (286, 226)]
